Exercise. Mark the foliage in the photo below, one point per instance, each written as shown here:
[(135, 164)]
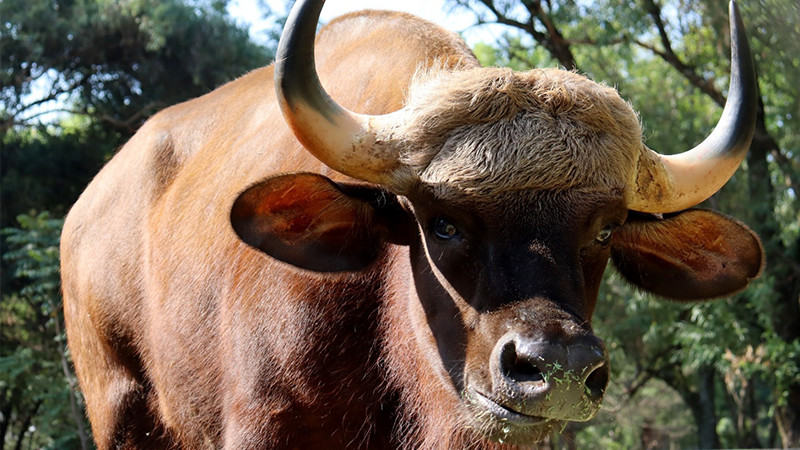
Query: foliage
[(683, 375), (671, 59), (38, 406), (118, 62), (46, 167), (104, 67), (77, 78)]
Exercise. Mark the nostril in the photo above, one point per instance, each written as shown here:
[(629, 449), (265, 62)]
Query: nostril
[(518, 369), (523, 371), (597, 381)]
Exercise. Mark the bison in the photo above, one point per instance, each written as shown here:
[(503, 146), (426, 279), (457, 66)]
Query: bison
[(262, 267)]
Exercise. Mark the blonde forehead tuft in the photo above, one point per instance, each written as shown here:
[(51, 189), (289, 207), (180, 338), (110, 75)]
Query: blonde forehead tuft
[(489, 131)]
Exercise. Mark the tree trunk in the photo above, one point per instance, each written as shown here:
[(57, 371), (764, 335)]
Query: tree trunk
[(785, 304), (788, 419), (25, 425), (69, 377), (700, 402), (706, 416)]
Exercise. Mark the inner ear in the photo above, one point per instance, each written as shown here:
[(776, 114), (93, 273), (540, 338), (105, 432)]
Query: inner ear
[(692, 255), (311, 222)]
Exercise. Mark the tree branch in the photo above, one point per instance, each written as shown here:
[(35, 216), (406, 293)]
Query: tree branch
[(668, 55), (131, 122), (12, 119), (502, 19), (783, 161), (77, 413), (553, 41), (648, 373), (26, 423)]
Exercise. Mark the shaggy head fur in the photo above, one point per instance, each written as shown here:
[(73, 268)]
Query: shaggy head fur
[(490, 131)]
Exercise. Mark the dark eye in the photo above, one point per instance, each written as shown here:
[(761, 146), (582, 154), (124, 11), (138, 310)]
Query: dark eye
[(604, 236), (444, 229)]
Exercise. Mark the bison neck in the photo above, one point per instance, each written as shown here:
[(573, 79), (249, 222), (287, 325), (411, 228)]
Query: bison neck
[(321, 384), (432, 414)]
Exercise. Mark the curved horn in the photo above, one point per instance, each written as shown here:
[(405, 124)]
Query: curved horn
[(353, 144), (668, 183)]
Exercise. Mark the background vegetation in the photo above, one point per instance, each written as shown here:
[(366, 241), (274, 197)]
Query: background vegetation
[(715, 374)]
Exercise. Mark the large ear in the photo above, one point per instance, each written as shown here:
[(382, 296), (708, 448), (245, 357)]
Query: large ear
[(691, 255), (311, 222)]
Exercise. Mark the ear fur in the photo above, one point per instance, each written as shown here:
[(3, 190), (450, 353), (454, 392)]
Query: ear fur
[(692, 255), (309, 221)]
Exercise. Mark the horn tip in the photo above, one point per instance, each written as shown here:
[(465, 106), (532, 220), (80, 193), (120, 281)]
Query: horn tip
[(736, 17)]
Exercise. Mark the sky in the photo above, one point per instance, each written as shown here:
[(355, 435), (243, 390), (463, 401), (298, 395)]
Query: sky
[(249, 12)]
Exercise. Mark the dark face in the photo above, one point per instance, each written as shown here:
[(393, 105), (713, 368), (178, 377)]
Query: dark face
[(508, 288), (505, 285)]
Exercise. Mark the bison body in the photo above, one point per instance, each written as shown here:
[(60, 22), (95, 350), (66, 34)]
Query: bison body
[(223, 287)]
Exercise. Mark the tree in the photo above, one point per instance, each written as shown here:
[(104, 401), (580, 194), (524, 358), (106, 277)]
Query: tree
[(738, 355), (117, 62), (39, 395), (46, 169), (103, 68)]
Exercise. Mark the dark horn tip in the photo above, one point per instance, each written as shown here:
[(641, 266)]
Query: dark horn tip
[(740, 47), (739, 115), (294, 60)]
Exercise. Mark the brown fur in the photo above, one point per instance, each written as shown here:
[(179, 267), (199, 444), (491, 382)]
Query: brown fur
[(184, 336), (156, 284)]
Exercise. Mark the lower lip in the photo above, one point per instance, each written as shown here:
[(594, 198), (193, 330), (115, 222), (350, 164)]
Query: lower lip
[(505, 414)]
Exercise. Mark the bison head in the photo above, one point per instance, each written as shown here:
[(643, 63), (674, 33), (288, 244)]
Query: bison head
[(512, 191)]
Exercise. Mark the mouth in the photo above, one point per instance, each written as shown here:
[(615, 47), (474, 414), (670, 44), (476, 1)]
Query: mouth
[(504, 413)]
